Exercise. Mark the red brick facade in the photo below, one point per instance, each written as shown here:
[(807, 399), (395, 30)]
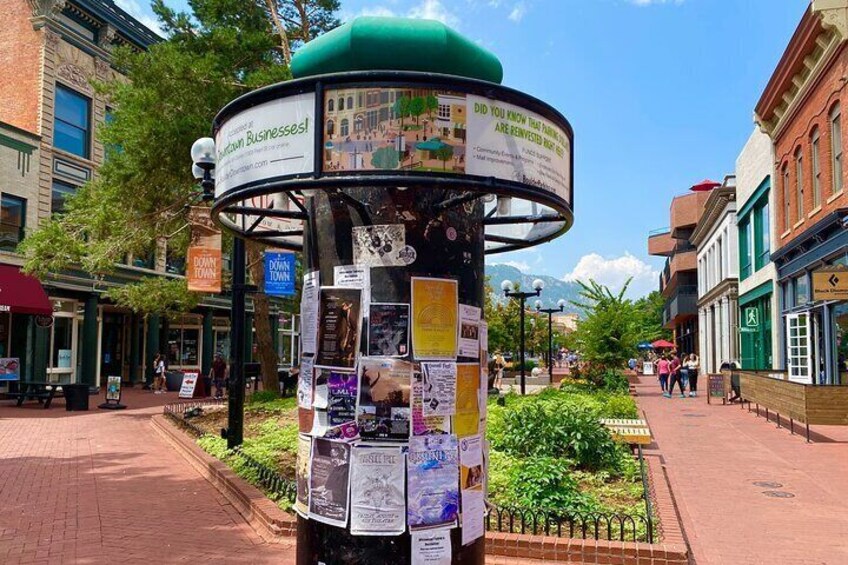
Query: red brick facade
[(20, 61), (795, 138)]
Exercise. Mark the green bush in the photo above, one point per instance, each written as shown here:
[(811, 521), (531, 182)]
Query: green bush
[(262, 397)]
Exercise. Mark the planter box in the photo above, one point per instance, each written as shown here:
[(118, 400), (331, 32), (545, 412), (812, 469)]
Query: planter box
[(810, 404)]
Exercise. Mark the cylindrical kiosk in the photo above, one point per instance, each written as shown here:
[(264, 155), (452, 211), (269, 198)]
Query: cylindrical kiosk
[(394, 161)]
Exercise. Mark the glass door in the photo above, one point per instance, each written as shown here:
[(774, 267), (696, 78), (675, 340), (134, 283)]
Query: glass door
[(799, 347)]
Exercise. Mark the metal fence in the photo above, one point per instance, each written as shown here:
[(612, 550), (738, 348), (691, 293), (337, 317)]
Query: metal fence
[(511, 519)]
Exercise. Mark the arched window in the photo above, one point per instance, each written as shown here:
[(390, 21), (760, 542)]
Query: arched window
[(357, 123), (836, 147), (799, 181), (350, 102), (341, 104), (331, 104), (816, 167), (786, 205), (331, 126), (344, 130)]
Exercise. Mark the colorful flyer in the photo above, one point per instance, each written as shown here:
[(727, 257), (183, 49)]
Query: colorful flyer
[(433, 482), (438, 391), (431, 547), (339, 316), (309, 312), (425, 425), (466, 422), (434, 319), (306, 381), (377, 497), (342, 392), (304, 450), (384, 398), (469, 331), (329, 482), (388, 330)]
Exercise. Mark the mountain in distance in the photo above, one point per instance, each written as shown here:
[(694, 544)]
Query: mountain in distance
[(555, 289)]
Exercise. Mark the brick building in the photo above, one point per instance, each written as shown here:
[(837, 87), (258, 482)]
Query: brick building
[(801, 110)]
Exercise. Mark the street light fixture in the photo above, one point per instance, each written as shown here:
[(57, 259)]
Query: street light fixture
[(203, 169), (550, 312), (507, 288)]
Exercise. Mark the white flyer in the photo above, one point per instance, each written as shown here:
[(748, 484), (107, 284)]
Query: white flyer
[(438, 392), (352, 276), (321, 392), (309, 312), (472, 495), (305, 382), (484, 338), (431, 547), (473, 513), (469, 331), (377, 497)]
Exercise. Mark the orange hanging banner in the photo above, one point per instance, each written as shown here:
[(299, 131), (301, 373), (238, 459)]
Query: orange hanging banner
[(204, 269)]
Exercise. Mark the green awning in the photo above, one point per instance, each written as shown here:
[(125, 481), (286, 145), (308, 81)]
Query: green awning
[(760, 291), (396, 44)]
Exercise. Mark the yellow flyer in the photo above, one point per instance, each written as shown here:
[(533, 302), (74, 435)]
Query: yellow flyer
[(434, 319), (467, 419)]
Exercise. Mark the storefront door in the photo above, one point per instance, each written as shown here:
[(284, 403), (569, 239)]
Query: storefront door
[(799, 347), (112, 346)]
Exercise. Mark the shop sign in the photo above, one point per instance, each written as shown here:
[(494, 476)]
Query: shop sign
[(113, 388), (831, 283), (204, 269), (188, 385), (10, 369), (43, 321), (279, 273)]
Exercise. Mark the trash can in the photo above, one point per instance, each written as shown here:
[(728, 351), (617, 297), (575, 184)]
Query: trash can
[(76, 397)]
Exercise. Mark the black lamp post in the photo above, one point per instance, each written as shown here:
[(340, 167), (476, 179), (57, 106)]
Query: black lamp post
[(507, 288), (203, 157), (550, 312)]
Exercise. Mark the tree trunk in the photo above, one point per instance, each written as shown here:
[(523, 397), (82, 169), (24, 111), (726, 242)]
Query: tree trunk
[(261, 319)]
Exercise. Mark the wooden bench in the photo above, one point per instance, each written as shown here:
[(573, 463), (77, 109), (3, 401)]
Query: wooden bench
[(631, 431)]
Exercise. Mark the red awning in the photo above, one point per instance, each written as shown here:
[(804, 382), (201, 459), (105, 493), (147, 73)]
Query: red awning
[(22, 294), (662, 344), (705, 186)]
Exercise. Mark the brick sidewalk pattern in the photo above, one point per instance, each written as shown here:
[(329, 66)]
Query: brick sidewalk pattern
[(714, 455), (104, 487)]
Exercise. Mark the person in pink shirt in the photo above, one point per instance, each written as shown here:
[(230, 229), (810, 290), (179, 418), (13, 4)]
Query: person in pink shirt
[(663, 371)]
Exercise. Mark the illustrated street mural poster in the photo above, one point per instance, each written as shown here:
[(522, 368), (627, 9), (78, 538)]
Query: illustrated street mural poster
[(380, 246), (431, 548), (433, 482), (304, 450), (467, 419), (328, 482), (438, 389), (469, 331), (305, 382), (384, 396), (434, 318), (338, 327), (309, 312), (388, 330), (425, 425), (471, 481), (377, 497)]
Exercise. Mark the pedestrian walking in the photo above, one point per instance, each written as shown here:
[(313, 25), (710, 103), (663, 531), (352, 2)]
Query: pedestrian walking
[(219, 374), (159, 374), (500, 364), (684, 372), (694, 365), (675, 376), (632, 363), (663, 371)]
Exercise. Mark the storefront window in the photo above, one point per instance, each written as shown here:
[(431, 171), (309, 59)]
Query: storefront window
[(63, 341), (5, 319), (222, 343), (183, 347), (801, 291), (840, 327), (798, 347)]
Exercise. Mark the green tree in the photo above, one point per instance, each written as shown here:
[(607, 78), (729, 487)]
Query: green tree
[(444, 154), (401, 109), (220, 50), (385, 158), (431, 103), (416, 107), (649, 315)]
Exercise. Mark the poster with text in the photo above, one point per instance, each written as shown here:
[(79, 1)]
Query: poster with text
[(352, 276), (203, 269), (380, 246), (341, 398), (339, 313), (306, 381), (466, 422), (304, 451), (469, 331), (377, 497), (431, 548), (309, 312), (329, 481), (434, 318), (471, 482), (279, 273), (113, 388), (384, 396), (438, 392), (388, 330), (433, 482), (425, 425)]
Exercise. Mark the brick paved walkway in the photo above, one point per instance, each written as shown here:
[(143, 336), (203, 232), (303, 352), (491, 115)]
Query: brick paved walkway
[(714, 454), (104, 487)]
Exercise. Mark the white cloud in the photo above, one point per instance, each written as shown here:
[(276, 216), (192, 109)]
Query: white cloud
[(520, 265), (614, 271), (144, 15), (517, 12), (434, 10)]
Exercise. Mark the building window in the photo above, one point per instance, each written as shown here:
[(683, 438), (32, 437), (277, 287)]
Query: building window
[(745, 248), (341, 104), (814, 153), (350, 102), (720, 260), (799, 182), (836, 147), (331, 127), (71, 124), (801, 290), (58, 195), (357, 123), (345, 128), (331, 104), (444, 111), (798, 347), (786, 205), (763, 235), (12, 221), (183, 347)]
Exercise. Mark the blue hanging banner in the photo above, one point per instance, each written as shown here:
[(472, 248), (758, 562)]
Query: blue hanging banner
[(279, 273)]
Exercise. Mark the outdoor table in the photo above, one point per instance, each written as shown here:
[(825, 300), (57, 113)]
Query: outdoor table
[(36, 390)]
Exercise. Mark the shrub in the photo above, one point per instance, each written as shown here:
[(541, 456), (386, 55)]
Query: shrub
[(262, 397)]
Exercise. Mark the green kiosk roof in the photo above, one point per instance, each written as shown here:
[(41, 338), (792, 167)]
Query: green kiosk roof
[(396, 44)]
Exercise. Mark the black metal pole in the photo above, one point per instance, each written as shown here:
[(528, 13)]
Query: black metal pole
[(235, 419), (521, 354), (550, 348)]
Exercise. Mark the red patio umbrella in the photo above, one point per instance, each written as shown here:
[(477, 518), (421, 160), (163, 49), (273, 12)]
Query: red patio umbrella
[(662, 344), (705, 185)]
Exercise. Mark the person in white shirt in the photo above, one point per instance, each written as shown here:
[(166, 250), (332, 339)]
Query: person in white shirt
[(694, 365)]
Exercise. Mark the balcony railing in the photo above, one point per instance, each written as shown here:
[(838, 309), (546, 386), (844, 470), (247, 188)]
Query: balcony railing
[(659, 231), (684, 302)]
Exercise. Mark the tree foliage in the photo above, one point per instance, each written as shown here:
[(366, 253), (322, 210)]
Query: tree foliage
[(608, 333)]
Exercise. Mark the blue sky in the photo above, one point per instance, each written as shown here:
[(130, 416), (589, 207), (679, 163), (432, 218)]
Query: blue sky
[(660, 94)]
